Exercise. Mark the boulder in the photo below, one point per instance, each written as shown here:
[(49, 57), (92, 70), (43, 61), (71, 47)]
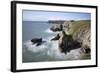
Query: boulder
[(40, 43), (36, 40)]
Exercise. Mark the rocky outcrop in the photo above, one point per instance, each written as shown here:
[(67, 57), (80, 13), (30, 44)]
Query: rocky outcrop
[(80, 31), (66, 25), (56, 27), (66, 43), (56, 37), (75, 34), (37, 41)]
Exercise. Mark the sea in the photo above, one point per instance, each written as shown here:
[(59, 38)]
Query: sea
[(48, 50)]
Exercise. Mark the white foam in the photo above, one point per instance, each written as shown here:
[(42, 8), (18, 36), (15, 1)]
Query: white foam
[(51, 51), (33, 48), (48, 31)]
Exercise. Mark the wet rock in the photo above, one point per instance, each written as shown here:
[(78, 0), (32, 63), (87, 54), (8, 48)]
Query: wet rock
[(40, 43), (56, 37), (36, 40)]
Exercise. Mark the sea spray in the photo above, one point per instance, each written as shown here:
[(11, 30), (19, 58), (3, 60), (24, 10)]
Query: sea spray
[(49, 51)]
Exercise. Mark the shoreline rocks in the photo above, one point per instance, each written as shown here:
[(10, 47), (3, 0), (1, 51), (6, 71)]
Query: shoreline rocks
[(78, 36), (56, 37), (56, 27), (37, 41)]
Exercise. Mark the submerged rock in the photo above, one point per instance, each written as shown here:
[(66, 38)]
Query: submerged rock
[(40, 43), (37, 41)]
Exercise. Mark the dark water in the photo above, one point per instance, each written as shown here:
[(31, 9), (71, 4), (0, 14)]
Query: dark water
[(47, 51)]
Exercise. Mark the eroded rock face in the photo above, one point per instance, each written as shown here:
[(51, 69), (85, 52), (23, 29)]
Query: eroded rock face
[(80, 31), (79, 35), (66, 25), (83, 35), (60, 27), (57, 27), (66, 43)]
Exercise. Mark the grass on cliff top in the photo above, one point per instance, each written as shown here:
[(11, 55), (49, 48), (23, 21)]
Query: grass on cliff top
[(78, 25)]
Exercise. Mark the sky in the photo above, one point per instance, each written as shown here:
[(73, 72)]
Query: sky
[(29, 15)]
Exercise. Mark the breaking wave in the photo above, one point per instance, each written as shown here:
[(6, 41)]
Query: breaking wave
[(47, 51), (50, 31)]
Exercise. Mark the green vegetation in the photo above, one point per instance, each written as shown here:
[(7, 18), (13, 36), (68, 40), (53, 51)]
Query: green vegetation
[(78, 25)]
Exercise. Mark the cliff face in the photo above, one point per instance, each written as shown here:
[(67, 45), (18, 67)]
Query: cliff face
[(67, 43), (75, 34), (81, 31)]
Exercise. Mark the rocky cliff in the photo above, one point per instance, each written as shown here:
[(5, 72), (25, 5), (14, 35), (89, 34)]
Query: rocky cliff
[(81, 31), (75, 34)]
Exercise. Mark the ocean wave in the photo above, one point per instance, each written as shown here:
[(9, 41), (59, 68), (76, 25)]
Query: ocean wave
[(49, 51), (48, 31)]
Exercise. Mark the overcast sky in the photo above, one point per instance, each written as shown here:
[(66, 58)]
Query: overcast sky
[(29, 15)]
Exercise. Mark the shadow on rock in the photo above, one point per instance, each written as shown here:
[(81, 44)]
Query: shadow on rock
[(56, 37), (66, 43)]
